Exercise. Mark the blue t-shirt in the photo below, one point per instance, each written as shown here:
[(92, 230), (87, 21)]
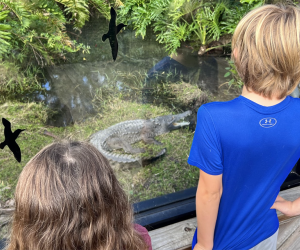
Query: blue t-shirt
[(255, 147)]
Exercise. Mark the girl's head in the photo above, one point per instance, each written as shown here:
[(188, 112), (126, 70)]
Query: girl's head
[(68, 197), (267, 49)]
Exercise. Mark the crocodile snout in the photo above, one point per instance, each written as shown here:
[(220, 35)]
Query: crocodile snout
[(180, 117), (181, 124)]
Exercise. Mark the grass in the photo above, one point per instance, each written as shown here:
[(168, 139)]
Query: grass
[(31, 117), (179, 96), (14, 82), (168, 174)]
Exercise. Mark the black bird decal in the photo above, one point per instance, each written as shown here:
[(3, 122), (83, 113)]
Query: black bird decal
[(112, 33), (10, 139)]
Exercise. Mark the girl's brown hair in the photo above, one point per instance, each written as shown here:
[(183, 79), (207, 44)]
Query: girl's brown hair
[(68, 198), (268, 49)]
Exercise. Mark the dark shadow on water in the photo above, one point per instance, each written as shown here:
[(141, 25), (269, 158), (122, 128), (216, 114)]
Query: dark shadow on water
[(197, 70)]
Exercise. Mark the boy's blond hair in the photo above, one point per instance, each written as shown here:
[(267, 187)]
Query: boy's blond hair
[(268, 48)]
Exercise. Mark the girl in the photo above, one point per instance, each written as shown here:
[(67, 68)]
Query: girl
[(68, 198)]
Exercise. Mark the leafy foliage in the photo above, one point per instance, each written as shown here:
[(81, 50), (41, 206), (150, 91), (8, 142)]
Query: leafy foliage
[(14, 81), (4, 33), (78, 9), (206, 24), (256, 3), (102, 7), (233, 17), (212, 18), (232, 72), (175, 21), (33, 34), (142, 13)]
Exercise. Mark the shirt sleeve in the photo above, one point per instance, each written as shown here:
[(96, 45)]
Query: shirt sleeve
[(206, 151), (144, 232)]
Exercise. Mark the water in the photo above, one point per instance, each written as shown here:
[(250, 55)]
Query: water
[(70, 87)]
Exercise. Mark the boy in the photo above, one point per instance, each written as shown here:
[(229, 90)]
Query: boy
[(245, 148)]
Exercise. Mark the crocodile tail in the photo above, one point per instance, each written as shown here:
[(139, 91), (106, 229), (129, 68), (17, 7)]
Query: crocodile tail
[(118, 157), (96, 139)]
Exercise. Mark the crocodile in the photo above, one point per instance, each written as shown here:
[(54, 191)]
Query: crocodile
[(123, 134)]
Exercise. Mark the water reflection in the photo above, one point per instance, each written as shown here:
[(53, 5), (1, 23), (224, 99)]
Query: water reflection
[(46, 86), (185, 66), (69, 88)]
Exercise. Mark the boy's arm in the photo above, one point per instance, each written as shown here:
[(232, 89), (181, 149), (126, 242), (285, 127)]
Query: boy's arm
[(208, 197), (296, 207), (289, 208)]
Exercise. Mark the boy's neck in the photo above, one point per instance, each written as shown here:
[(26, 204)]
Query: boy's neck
[(260, 99)]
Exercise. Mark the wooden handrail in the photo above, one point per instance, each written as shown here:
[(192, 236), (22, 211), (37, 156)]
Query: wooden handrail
[(179, 236)]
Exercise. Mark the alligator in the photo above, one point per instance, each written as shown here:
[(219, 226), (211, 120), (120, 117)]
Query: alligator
[(123, 134)]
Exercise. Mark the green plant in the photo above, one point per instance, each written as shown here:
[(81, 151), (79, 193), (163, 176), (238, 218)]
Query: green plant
[(180, 25), (235, 78), (14, 81), (173, 36), (213, 17), (141, 13), (103, 6), (207, 27), (257, 3), (4, 34), (233, 17), (178, 21), (33, 35), (78, 10)]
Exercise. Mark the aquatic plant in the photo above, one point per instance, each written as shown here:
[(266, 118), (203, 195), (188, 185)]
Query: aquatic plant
[(178, 96)]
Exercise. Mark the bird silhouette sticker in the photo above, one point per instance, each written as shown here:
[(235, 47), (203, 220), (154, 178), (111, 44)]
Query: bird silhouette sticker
[(112, 33), (10, 139)]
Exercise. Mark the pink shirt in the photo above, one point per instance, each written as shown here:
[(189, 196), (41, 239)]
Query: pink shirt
[(143, 231)]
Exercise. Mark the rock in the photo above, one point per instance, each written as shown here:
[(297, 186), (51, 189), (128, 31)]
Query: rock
[(10, 203)]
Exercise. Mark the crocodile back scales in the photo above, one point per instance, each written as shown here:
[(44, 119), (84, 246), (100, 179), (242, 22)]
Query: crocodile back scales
[(131, 132), (128, 130)]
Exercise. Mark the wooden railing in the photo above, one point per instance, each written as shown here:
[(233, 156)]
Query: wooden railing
[(179, 236)]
